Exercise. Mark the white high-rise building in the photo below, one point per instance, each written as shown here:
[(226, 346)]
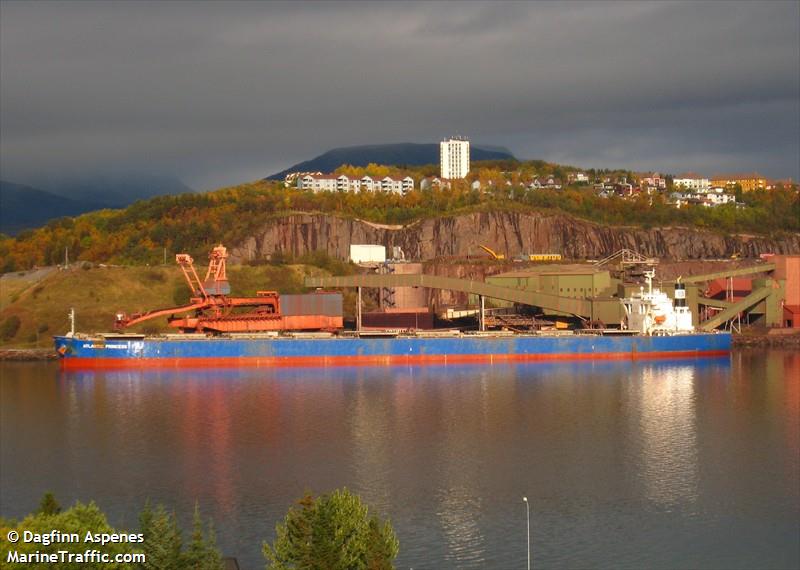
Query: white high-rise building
[(454, 158)]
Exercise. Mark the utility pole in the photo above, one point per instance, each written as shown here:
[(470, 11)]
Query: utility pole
[(528, 516), (66, 258), (358, 311)]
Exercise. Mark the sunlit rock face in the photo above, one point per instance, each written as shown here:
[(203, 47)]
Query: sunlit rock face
[(513, 233)]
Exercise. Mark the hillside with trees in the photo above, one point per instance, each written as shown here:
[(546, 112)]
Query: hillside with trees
[(142, 232)]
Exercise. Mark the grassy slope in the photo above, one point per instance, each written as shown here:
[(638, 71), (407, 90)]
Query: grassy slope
[(42, 302)]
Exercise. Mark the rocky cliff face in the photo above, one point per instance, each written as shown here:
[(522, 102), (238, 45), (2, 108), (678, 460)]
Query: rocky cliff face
[(511, 233)]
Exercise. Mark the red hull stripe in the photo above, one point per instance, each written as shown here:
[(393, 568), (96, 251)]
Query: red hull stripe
[(316, 361)]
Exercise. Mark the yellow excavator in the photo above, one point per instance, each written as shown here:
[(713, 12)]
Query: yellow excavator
[(495, 255)]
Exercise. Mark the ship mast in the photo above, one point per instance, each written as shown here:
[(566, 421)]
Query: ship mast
[(648, 275)]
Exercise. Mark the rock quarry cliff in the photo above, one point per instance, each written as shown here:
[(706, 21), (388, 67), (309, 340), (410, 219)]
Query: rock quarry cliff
[(511, 233)]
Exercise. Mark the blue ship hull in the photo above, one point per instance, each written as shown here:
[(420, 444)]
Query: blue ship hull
[(83, 352)]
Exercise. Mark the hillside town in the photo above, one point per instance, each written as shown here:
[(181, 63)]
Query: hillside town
[(680, 190)]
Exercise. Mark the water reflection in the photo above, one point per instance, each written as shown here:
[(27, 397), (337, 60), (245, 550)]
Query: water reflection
[(664, 424), (791, 387), (667, 463), (373, 416), (465, 430)]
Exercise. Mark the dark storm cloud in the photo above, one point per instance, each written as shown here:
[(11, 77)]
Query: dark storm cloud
[(220, 93)]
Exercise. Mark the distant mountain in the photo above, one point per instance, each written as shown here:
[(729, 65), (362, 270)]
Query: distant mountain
[(115, 190), (411, 154), (23, 207)]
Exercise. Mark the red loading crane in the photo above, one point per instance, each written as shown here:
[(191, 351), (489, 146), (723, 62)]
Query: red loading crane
[(214, 311)]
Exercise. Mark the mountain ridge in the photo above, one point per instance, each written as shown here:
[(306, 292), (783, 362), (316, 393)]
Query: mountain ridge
[(411, 154), (24, 207), (31, 205), (115, 190)]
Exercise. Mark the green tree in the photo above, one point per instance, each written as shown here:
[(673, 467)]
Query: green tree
[(333, 532), (202, 552), (48, 505), (162, 539), (78, 519), (162, 543)]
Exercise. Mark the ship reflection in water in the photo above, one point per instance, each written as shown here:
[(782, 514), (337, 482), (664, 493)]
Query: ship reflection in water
[(664, 435), (627, 464)]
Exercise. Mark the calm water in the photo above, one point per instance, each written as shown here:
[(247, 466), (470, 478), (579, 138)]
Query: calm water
[(674, 464)]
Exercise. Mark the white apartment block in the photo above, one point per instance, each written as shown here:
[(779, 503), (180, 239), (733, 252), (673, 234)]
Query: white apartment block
[(317, 183), (691, 181), (454, 158), (343, 183)]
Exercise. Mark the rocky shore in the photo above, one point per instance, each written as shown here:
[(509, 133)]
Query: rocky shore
[(775, 338), (27, 354)]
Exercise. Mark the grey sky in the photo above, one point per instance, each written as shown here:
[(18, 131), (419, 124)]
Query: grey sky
[(220, 93)]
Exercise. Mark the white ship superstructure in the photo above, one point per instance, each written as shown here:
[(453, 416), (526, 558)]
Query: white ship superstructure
[(652, 312)]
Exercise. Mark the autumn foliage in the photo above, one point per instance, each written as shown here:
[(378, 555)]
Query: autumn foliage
[(193, 222)]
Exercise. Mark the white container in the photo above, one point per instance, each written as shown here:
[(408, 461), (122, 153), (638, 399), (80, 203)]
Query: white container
[(366, 253)]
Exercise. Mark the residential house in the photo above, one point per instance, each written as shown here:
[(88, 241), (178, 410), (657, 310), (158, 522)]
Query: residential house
[(716, 197), (649, 180), (577, 178), (678, 199), (429, 183), (623, 188), (548, 182)]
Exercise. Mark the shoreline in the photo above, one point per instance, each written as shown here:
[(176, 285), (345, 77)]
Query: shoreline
[(778, 338), (27, 354)]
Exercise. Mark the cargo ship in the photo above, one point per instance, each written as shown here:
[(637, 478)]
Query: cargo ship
[(113, 351), (269, 329)]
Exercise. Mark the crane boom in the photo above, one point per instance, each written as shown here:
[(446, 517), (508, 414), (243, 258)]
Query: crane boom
[(210, 301), (491, 252), (186, 264)]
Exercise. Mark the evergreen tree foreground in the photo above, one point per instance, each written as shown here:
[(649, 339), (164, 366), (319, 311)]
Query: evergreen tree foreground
[(163, 543), (332, 532)]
